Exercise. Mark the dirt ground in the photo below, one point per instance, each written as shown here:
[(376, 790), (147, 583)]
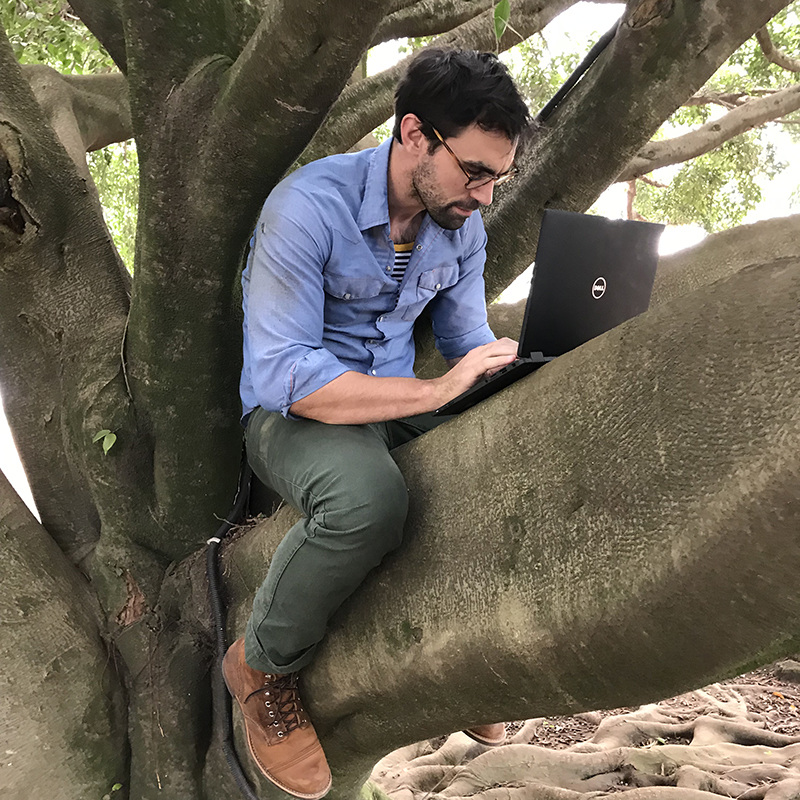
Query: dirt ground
[(774, 694), (739, 738)]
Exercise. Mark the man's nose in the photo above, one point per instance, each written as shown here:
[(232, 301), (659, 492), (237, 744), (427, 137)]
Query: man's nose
[(483, 194)]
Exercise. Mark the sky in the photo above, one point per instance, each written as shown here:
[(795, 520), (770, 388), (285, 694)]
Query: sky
[(9, 462), (582, 22)]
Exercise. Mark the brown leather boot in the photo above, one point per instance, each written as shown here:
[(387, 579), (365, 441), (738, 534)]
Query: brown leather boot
[(491, 735), (282, 741)]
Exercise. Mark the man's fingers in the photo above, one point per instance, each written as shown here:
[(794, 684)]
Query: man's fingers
[(502, 359), (504, 345), (494, 364), (491, 371), (484, 360)]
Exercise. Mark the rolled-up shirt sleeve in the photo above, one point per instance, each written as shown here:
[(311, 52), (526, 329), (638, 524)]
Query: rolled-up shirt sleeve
[(285, 308), (458, 313)]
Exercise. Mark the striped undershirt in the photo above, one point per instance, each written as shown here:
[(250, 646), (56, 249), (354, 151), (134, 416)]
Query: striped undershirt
[(402, 254)]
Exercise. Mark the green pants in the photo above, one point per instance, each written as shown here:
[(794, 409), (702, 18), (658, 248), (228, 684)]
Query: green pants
[(342, 478)]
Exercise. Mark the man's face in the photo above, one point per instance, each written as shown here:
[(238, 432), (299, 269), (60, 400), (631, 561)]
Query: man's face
[(440, 183)]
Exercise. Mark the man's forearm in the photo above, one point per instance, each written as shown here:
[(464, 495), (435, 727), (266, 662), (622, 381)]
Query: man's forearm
[(356, 399)]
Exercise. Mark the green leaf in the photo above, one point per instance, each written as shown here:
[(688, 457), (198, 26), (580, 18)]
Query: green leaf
[(502, 11), (116, 787), (108, 441), (100, 435)]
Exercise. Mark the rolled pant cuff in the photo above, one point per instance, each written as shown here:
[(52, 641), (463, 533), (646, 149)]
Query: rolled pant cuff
[(256, 657)]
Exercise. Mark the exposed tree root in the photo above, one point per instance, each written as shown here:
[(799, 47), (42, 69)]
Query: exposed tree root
[(715, 742)]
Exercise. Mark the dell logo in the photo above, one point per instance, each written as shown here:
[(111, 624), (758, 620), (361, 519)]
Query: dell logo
[(599, 288)]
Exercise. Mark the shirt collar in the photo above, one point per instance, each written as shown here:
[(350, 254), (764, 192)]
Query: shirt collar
[(375, 205)]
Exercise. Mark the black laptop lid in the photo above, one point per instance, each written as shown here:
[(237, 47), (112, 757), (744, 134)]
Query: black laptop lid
[(591, 275)]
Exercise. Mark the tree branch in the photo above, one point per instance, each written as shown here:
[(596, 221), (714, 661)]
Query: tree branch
[(713, 134), (432, 17), (726, 99), (51, 648), (365, 104), (594, 134), (773, 54), (400, 5), (87, 112), (724, 254), (641, 527), (428, 18), (104, 19), (729, 100), (320, 49)]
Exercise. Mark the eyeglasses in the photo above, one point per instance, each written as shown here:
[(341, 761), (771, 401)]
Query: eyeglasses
[(473, 181)]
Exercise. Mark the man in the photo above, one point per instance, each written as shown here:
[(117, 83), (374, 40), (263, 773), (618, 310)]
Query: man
[(346, 254)]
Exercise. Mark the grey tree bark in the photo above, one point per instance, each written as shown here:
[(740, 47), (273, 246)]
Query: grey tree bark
[(557, 590), (60, 688), (579, 552)]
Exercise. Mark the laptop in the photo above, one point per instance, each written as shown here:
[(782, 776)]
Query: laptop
[(591, 274)]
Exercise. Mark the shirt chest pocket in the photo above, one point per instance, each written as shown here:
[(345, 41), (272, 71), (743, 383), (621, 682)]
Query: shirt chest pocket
[(345, 287), (350, 300), (429, 284)]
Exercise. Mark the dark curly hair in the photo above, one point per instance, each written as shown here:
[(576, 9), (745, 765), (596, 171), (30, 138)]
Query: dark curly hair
[(452, 89)]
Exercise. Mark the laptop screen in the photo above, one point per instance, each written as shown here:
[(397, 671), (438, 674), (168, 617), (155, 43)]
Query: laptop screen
[(591, 274)]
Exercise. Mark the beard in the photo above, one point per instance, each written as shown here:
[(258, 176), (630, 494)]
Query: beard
[(443, 212)]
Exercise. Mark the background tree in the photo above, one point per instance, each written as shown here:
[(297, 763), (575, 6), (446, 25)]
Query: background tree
[(647, 542)]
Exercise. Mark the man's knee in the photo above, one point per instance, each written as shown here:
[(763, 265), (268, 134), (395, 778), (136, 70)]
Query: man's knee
[(372, 506)]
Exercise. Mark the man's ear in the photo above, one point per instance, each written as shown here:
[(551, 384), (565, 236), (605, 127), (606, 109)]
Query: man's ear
[(414, 140)]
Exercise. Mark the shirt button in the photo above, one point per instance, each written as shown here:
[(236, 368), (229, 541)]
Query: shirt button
[(347, 296), (389, 268), (380, 319), (438, 285), (373, 372), (419, 247)]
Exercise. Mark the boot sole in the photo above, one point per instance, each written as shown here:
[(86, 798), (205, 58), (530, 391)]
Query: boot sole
[(487, 742), (261, 767)]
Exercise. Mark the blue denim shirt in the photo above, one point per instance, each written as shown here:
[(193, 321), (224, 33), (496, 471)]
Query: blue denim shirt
[(318, 297)]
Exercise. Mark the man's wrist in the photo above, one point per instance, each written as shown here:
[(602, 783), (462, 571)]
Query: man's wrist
[(440, 391)]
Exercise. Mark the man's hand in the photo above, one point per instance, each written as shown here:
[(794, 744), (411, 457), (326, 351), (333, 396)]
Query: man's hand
[(484, 360)]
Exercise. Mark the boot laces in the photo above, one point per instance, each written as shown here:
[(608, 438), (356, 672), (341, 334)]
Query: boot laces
[(282, 699)]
